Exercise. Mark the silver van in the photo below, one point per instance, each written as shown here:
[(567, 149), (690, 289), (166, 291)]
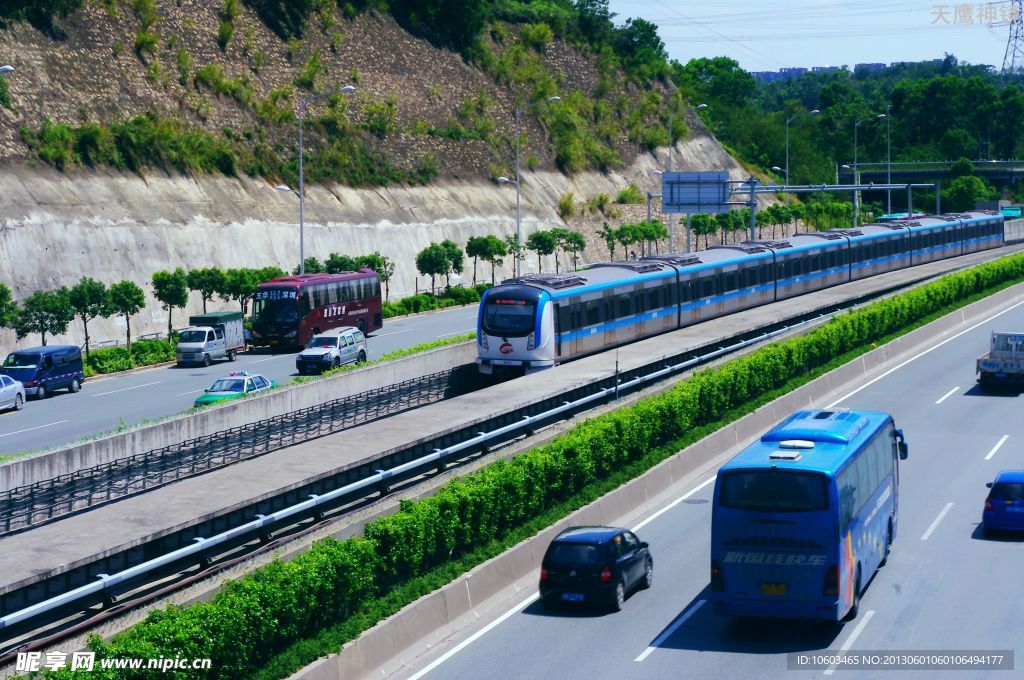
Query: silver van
[(332, 349)]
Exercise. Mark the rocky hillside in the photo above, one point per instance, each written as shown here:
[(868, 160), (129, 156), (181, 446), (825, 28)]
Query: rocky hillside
[(142, 136)]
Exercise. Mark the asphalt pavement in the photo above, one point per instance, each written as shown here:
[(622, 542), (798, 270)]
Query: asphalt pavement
[(122, 400), (946, 588)]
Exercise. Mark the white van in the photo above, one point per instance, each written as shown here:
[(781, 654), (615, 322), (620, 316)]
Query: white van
[(332, 349)]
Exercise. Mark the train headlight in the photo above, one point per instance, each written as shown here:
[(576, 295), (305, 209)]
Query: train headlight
[(530, 342)]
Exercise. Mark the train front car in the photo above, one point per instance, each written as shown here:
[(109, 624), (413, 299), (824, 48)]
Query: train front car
[(514, 330)]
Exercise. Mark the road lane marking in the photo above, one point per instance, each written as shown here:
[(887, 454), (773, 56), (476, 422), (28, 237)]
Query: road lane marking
[(997, 447), (260, 361), (37, 427), (947, 395), (182, 394), (124, 389), (457, 333), (673, 504), (667, 633), (381, 335), (853, 638), (921, 354), (938, 519), (476, 636)]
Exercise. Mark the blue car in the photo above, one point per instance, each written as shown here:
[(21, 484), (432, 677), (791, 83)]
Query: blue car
[(1004, 506)]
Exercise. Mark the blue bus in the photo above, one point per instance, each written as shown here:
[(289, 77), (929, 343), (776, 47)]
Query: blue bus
[(804, 516)]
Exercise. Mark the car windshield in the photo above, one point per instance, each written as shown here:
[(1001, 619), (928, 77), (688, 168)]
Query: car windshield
[(228, 385), (508, 317), (1007, 491), (573, 553), (774, 491), (193, 336), (21, 361), (323, 341)]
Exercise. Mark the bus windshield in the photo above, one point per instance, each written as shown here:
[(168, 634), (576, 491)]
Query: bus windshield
[(22, 361), (774, 491), (509, 317), (281, 312)]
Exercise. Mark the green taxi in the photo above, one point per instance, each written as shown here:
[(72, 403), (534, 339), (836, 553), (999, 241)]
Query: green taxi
[(237, 384)]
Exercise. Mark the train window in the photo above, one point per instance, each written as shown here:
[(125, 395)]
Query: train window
[(707, 287), (592, 312), (625, 306), (730, 280), (564, 318), (654, 299)]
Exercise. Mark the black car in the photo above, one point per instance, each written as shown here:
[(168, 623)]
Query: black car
[(595, 565)]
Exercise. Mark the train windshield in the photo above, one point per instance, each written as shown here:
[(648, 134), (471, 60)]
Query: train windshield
[(509, 316)]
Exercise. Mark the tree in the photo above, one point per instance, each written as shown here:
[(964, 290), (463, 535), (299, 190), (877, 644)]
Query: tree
[(514, 247), (543, 243), (571, 242), (384, 267), (335, 264), (126, 299), (496, 251), (964, 192), (268, 273), (171, 290), (653, 230), (313, 266), (89, 299), (433, 261), (207, 281), (610, 238), (718, 79), (45, 312), (240, 285), (8, 308), (455, 259), (703, 225), (476, 248)]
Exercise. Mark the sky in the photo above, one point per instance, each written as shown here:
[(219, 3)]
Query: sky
[(767, 36)]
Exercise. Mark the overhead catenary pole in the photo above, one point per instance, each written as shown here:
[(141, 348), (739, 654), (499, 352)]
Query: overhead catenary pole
[(753, 207)]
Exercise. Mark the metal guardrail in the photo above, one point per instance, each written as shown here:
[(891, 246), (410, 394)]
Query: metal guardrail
[(382, 479), (39, 502)]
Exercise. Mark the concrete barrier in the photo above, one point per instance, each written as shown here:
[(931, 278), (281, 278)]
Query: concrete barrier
[(49, 464), (377, 652)]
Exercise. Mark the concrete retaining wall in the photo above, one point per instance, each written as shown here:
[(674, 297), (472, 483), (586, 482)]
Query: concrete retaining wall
[(381, 649), (49, 464)]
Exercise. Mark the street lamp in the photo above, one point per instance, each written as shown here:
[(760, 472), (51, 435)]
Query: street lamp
[(888, 159), (519, 224), (812, 112), (303, 103), (856, 172), (6, 69)]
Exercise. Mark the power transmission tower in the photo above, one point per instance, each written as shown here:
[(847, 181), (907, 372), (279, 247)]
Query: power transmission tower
[(1013, 60)]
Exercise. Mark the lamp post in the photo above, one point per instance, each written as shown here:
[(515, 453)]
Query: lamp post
[(789, 120), (888, 159), (519, 223), (6, 69), (303, 103), (856, 171)]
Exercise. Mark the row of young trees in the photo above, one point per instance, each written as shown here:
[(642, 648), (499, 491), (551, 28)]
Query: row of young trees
[(631, 234), (446, 258)]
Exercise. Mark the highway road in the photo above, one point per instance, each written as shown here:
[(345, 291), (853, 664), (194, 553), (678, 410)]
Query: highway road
[(945, 588), (108, 402)]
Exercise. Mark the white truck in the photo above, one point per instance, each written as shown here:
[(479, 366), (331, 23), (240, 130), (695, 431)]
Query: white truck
[(1004, 363), (217, 335)]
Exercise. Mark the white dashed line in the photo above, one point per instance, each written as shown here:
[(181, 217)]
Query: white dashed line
[(124, 389), (667, 633), (947, 395), (850, 640), (938, 519), (28, 429), (997, 447)]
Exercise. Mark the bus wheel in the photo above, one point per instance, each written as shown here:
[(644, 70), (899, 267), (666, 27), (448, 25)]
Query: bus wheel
[(855, 607), (888, 545)]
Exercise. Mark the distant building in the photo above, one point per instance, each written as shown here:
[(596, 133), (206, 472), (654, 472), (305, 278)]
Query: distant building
[(869, 67), (824, 69)]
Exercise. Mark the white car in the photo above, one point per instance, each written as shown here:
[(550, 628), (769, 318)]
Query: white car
[(331, 349), (12, 393)]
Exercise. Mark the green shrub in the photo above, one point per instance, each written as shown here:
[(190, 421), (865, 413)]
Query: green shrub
[(537, 36), (306, 78), (148, 352), (146, 42), (110, 360), (567, 205), (224, 32), (630, 195)]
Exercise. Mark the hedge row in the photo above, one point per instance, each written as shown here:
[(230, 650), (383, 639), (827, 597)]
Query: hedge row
[(114, 359), (269, 610), (426, 301)]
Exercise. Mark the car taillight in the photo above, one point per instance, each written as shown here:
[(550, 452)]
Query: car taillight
[(483, 339), (606, 575), (30, 383), (831, 587), (530, 342), (543, 574), (717, 582), (988, 503)]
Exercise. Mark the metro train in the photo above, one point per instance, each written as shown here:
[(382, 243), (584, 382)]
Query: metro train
[(537, 321)]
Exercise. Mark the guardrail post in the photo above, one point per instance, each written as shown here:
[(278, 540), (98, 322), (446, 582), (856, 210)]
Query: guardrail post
[(317, 512), (109, 599), (263, 534), (203, 560), (440, 467), (382, 486)]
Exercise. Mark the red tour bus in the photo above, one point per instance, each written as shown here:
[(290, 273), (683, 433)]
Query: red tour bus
[(289, 310)]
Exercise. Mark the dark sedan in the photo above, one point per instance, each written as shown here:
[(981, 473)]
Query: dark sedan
[(595, 565)]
